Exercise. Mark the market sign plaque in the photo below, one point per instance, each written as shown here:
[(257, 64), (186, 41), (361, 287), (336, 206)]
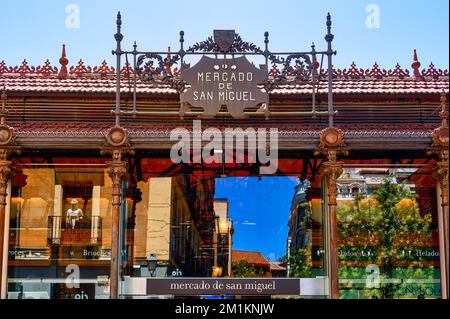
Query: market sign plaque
[(223, 286), (233, 82)]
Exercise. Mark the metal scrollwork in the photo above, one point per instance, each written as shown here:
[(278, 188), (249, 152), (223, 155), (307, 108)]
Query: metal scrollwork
[(205, 46), (243, 46), (296, 68), (237, 45), (279, 69)]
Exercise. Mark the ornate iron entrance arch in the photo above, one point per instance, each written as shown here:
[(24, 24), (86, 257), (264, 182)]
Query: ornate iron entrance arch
[(296, 68)]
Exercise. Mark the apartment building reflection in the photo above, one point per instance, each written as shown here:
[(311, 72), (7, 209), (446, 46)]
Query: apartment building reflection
[(61, 221)]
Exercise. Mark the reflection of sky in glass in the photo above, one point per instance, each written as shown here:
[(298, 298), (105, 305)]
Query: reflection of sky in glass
[(259, 210)]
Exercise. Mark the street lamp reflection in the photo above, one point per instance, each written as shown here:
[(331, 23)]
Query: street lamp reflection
[(152, 262)]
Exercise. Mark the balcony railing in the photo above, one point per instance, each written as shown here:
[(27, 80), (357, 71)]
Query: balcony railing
[(86, 231)]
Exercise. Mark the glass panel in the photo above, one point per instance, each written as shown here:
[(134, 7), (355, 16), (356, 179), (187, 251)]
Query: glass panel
[(388, 234), (199, 225), (237, 227)]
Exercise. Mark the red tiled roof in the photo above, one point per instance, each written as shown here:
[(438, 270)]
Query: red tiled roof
[(254, 258), (101, 79)]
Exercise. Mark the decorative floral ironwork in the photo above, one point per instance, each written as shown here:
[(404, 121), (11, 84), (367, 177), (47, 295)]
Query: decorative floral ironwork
[(238, 46), (296, 68), (153, 68)]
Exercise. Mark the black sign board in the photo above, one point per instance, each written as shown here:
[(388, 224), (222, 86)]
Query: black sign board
[(215, 82), (223, 286)]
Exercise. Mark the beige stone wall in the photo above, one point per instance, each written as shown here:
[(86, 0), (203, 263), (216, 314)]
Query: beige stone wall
[(96, 211), (158, 222), (58, 211), (38, 204), (106, 210)]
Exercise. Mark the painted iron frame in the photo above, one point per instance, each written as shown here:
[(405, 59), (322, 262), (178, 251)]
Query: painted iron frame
[(297, 74)]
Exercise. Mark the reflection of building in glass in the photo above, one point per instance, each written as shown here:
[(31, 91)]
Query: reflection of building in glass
[(299, 222), (305, 228), (278, 269), (171, 218), (59, 217), (387, 225), (176, 226)]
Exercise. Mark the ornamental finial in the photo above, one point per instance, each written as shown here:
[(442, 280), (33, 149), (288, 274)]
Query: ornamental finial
[(181, 36), (63, 61), (119, 19), (416, 65), (328, 22)]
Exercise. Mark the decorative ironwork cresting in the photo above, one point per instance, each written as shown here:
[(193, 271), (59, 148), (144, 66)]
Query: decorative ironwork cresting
[(228, 54)]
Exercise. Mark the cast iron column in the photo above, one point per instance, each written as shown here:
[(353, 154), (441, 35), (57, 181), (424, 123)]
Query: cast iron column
[(117, 139), (332, 170), (117, 170), (7, 147), (332, 144)]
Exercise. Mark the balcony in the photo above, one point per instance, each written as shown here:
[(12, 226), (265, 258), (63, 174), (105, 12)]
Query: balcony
[(87, 231)]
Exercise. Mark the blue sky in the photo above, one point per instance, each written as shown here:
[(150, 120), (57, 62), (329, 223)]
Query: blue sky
[(259, 210), (36, 29)]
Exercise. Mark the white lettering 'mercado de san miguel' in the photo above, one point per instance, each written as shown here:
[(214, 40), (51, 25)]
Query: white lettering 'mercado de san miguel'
[(215, 82)]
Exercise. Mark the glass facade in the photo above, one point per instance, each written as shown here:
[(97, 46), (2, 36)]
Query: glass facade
[(388, 241), (59, 232)]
